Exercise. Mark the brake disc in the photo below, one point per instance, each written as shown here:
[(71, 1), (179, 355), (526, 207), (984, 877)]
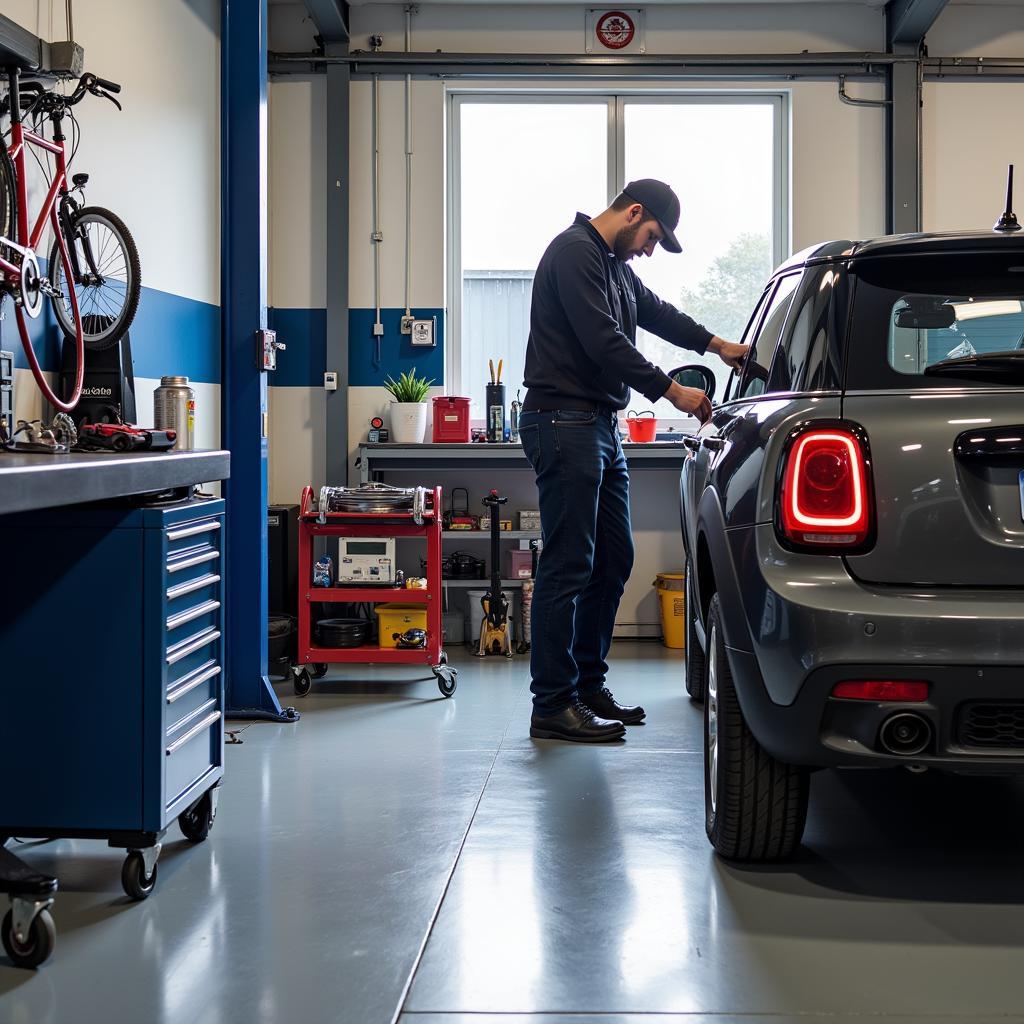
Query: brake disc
[(31, 292)]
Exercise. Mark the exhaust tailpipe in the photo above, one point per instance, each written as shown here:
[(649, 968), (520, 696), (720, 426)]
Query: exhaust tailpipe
[(905, 734)]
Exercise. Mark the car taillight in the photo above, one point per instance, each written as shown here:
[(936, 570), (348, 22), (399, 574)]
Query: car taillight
[(825, 500), (882, 690)]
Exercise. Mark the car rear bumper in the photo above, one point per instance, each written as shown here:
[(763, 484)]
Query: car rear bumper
[(809, 624)]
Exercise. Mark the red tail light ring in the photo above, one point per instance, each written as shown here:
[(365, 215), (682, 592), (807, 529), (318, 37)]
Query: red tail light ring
[(825, 496)]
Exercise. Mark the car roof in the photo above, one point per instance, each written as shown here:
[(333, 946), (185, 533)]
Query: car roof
[(917, 244)]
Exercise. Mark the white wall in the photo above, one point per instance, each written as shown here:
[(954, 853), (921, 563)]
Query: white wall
[(837, 161), (156, 163)]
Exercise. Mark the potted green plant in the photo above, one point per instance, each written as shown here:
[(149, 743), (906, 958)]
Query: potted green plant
[(409, 408)]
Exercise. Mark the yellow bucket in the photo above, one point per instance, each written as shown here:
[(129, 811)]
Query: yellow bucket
[(397, 618), (672, 598)]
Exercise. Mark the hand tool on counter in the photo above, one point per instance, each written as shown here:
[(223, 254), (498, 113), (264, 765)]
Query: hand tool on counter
[(495, 403)]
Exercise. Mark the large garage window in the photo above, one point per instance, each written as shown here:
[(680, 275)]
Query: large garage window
[(521, 165)]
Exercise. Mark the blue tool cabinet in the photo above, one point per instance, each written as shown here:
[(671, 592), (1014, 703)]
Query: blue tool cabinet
[(113, 687)]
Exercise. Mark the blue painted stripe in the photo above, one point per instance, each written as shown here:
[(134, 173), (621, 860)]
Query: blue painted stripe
[(304, 332), (171, 335)]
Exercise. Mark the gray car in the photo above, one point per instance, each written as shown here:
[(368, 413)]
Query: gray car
[(853, 519)]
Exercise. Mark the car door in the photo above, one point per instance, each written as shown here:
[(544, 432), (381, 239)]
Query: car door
[(727, 445), (694, 472)]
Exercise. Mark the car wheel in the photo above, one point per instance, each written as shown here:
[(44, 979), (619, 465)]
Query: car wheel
[(755, 806), (694, 652)]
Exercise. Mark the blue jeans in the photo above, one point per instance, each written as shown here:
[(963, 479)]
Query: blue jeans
[(583, 486)]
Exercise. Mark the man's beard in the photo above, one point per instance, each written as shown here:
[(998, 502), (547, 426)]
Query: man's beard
[(624, 242)]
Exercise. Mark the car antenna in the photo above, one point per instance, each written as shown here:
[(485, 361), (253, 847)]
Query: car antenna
[(1008, 221)]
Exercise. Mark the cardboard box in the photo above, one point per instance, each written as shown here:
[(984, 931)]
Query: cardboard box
[(529, 521)]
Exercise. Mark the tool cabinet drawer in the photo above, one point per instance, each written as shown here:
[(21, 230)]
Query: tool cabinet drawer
[(191, 651), (190, 690), (190, 564), (194, 617), (183, 595), (201, 533), (192, 749)]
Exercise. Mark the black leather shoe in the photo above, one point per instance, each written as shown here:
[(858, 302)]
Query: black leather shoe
[(603, 703), (578, 724)]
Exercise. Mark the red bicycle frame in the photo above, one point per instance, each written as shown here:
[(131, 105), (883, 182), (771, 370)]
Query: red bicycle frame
[(20, 139)]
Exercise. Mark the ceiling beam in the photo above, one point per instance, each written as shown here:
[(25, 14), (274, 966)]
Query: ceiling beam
[(908, 21), (330, 18)]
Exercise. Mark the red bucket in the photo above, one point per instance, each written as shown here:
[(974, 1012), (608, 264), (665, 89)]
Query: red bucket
[(643, 427)]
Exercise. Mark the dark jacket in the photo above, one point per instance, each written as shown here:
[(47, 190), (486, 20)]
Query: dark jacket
[(587, 305)]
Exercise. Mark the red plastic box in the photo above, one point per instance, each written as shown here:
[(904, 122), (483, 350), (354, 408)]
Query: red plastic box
[(451, 420)]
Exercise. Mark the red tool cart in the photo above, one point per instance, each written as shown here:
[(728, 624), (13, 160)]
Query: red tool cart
[(425, 522)]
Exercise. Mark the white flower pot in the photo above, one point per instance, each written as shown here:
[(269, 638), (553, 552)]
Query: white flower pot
[(408, 422)]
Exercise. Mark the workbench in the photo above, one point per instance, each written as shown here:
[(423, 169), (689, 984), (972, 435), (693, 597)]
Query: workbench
[(113, 689), (379, 458)]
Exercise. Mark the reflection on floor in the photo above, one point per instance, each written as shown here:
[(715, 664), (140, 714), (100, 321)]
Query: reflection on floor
[(397, 851)]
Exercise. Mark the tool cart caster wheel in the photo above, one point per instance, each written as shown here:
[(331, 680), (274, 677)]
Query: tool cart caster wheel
[(37, 947), (302, 681), (195, 822), (447, 684), (133, 877), (319, 670)]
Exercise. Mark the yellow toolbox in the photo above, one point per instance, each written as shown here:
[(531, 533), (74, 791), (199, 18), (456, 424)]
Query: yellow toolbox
[(397, 618)]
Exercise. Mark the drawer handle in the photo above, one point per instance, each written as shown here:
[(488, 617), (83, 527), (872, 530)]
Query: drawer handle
[(193, 732), (193, 585), (187, 563), (191, 645), (193, 531), (174, 621), (188, 683)]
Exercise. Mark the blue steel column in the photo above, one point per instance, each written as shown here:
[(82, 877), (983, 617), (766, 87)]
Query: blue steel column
[(244, 385)]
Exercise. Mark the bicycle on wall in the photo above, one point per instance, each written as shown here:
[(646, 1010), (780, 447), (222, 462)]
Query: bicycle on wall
[(92, 280)]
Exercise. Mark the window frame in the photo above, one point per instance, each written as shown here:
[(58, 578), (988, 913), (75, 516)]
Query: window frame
[(615, 102), (767, 308)]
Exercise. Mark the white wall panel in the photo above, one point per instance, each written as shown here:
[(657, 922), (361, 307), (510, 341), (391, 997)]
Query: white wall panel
[(298, 422), (298, 202), (157, 163)]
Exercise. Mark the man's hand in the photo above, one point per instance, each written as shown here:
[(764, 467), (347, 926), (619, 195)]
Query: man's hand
[(692, 401), (729, 352)]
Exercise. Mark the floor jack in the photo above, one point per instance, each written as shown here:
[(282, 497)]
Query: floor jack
[(494, 629)]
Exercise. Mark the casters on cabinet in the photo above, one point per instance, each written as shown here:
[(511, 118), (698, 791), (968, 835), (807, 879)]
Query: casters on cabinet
[(29, 933), (302, 681), (197, 820), (319, 670), (138, 876), (447, 677)]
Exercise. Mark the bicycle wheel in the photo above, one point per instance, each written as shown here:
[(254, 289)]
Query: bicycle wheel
[(110, 282)]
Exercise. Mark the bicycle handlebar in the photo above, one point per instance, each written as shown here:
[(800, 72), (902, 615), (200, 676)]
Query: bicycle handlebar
[(104, 83)]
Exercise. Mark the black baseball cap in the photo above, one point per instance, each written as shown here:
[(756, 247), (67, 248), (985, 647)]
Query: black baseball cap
[(662, 203)]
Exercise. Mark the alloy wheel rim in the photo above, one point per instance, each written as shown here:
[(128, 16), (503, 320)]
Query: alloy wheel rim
[(711, 702)]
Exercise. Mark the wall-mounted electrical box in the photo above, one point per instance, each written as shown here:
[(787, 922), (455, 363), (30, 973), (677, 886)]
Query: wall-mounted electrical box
[(424, 332)]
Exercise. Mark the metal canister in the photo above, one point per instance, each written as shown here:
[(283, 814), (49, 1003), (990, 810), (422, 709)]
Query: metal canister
[(174, 408)]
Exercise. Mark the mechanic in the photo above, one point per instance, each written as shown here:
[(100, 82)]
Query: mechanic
[(581, 361)]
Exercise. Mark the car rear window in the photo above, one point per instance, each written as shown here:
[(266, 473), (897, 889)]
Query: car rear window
[(912, 313)]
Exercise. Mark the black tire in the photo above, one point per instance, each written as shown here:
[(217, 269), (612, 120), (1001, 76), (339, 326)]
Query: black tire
[(695, 659), (319, 670), (121, 443), (447, 684), (195, 822), (755, 807), (38, 945), (133, 876), (106, 315), (302, 682)]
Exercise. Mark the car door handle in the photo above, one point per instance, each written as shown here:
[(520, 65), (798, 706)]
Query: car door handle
[(714, 444), (691, 442)]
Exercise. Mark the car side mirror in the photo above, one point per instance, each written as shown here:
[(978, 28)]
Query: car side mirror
[(695, 376)]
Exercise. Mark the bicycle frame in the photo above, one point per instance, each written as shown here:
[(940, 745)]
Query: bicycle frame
[(20, 139)]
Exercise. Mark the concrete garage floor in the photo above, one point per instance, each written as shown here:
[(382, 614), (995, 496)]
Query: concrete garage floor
[(397, 850)]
